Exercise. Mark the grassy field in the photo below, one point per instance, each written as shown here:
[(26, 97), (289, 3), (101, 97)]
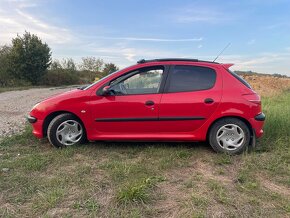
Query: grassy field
[(149, 179)]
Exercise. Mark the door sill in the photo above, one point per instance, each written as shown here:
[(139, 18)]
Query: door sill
[(145, 137)]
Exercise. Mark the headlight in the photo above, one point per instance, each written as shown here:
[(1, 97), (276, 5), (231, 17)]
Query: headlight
[(35, 106)]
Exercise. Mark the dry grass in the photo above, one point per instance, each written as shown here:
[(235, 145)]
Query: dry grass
[(268, 86)]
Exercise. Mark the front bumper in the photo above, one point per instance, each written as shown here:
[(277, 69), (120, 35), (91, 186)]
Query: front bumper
[(36, 125)]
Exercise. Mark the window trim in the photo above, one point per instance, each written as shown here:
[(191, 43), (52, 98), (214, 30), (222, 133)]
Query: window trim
[(240, 79), (166, 88), (138, 70)]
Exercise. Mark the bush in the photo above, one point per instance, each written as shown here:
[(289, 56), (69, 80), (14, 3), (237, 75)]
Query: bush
[(13, 82), (60, 77), (19, 82), (86, 76)]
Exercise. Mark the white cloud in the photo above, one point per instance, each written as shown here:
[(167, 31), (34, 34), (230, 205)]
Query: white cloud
[(124, 55), (261, 63), (153, 39), (15, 20), (277, 25), (16, 17), (194, 14), (23, 3)]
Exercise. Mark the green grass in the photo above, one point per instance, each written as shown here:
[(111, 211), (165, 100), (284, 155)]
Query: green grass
[(219, 191), (149, 179), (90, 206)]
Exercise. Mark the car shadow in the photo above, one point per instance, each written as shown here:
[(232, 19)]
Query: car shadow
[(143, 145), (204, 146)]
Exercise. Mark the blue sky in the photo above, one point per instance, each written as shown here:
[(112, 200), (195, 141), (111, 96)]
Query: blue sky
[(125, 31)]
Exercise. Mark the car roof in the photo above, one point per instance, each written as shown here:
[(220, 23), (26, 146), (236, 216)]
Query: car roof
[(142, 61)]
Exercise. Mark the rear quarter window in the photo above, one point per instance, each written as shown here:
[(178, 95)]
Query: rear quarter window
[(240, 79), (184, 78)]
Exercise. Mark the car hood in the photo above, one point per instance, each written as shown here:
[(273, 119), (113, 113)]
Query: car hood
[(64, 95), (62, 101)]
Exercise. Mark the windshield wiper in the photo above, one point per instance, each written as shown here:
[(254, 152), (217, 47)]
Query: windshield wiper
[(82, 87)]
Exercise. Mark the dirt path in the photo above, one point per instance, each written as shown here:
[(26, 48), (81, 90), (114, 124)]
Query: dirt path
[(15, 105)]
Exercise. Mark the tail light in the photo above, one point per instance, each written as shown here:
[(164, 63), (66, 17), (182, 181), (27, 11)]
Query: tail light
[(253, 97)]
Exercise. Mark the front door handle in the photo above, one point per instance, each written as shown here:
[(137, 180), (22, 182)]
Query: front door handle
[(208, 100), (149, 103)]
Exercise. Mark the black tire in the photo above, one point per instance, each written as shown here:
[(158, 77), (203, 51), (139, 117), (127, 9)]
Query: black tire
[(54, 125), (217, 146)]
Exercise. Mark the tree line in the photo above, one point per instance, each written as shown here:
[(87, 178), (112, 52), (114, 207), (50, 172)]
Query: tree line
[(251, 73), (27, 61)]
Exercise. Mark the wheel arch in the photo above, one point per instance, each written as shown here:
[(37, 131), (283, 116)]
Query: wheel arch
[(52, 115), (237, 117)]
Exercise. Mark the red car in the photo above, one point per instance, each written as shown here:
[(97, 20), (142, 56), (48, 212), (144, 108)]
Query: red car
[(156, 100)]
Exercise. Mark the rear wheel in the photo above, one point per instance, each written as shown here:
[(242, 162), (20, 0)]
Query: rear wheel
[(65, 130), (229, 135)]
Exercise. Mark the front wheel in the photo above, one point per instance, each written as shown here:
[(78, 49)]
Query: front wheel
[(65, 130), (229, 135)]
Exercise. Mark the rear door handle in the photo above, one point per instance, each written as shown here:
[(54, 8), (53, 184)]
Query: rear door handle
[(149, 103), (208, 100)]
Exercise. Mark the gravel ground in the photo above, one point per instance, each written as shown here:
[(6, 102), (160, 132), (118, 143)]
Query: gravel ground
[(15, 105)]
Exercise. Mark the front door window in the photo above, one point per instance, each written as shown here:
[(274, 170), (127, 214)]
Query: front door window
[(145, 81)]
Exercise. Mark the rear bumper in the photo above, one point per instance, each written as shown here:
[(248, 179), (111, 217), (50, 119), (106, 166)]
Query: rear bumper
[(260, 117), (257, 124)]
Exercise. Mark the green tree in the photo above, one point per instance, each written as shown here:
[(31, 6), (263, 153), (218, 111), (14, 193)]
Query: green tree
[(55, 64), (30, 57), (5, 74), (92, 64), (109, 68), (69, 64)]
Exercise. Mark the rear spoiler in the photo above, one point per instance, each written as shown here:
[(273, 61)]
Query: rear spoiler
[(227, 66)]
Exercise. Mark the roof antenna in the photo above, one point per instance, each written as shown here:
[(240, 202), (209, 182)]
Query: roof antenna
[(221, 52)]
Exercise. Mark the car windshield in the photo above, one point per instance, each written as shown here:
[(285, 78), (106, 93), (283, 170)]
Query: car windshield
[(89, 86)]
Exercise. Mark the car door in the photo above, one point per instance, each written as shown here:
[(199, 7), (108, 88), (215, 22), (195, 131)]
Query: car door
[(191, 95), (131, 107)]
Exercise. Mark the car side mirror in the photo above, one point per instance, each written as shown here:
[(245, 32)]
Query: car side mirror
[(106, 90)]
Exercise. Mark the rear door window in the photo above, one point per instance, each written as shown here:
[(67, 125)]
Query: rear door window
[(185, 78)]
